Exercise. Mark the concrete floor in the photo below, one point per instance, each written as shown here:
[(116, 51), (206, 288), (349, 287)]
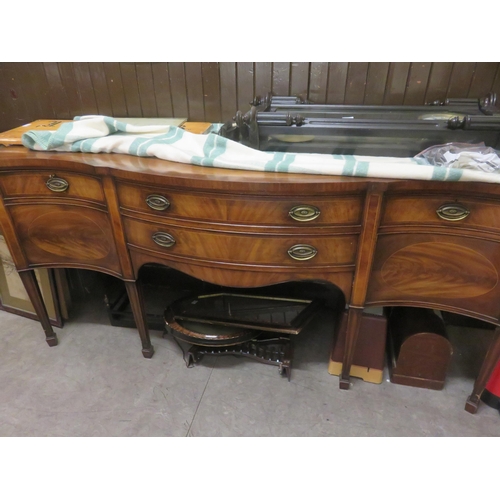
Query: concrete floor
[(96, 383)]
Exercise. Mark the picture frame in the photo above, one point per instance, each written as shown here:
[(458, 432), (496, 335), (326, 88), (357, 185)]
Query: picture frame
[(14, 298)]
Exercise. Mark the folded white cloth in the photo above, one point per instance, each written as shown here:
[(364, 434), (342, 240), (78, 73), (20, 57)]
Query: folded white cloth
[(460, 155), (102, 134)]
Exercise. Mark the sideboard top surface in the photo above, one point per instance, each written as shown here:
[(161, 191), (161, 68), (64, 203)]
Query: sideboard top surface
[(174, 174)]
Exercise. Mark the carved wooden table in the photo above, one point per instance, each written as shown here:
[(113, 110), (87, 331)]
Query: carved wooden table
[(381, 242)]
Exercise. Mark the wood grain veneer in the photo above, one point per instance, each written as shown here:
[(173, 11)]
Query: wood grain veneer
[(379, 241)]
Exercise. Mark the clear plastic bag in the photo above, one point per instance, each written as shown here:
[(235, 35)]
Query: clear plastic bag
[(462, 155)]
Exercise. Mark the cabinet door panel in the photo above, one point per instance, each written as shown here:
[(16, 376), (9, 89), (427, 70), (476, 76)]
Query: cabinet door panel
[(58, 235), (454, 272)]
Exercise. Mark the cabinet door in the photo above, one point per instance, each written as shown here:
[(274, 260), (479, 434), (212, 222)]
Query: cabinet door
[(60, 235), (441, 271)]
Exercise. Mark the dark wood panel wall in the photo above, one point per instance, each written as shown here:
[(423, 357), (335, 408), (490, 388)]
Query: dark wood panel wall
[(213, 92)]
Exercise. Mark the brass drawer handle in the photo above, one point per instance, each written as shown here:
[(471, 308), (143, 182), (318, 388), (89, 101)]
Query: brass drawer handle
[(452, 212), (302, 252), (57, 184), (163, 239), (304, 213), (157, 202)]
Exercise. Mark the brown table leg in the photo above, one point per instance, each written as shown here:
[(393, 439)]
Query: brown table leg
[(353, 325), (134, 292), (30, 283), (490, 361)]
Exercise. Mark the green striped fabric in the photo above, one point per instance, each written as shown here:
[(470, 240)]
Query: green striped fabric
[(102, 134)]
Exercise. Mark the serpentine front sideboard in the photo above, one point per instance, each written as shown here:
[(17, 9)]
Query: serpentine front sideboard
[(381, 242)]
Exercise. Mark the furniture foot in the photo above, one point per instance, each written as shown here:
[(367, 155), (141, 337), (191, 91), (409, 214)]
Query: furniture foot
[(30, 283), (193, 357), (490, 361), (134, 292), (51, 341), (148, 353), (472, 404), (344, 384), (286, 370)]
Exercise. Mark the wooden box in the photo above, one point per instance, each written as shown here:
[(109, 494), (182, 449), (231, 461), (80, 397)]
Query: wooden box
[(369, 356), (13, 137), (419, 350)]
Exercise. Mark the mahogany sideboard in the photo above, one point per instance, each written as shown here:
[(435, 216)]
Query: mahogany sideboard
[(381, 242)]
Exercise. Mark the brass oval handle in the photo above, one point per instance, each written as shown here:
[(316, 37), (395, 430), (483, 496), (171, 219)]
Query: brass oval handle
[(157, 202), (163, 239), (57, 184), (302, 252), (452, 212), (304, 213)]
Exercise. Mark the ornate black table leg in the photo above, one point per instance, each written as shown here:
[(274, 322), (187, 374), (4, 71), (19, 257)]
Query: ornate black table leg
[(134, 292), (193, 356), (30, 283), (487, 368)]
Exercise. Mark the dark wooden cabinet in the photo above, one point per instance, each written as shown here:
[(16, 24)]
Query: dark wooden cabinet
[(381, 242)]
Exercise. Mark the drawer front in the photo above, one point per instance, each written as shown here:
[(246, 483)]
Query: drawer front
[(158, 201), (342, 210), (443, 211), (331, 211), (54, 184), (258, 249)]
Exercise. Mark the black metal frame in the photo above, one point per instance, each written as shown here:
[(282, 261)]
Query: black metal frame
[(288, 124)]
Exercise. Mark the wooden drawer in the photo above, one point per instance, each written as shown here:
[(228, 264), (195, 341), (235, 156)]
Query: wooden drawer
[(342, 210), (248, 248), (62, 185), (423, 210)]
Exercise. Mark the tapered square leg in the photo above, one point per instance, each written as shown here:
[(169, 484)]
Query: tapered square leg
[(134, 292), (30, 283), (353, 325), (490, 361)]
